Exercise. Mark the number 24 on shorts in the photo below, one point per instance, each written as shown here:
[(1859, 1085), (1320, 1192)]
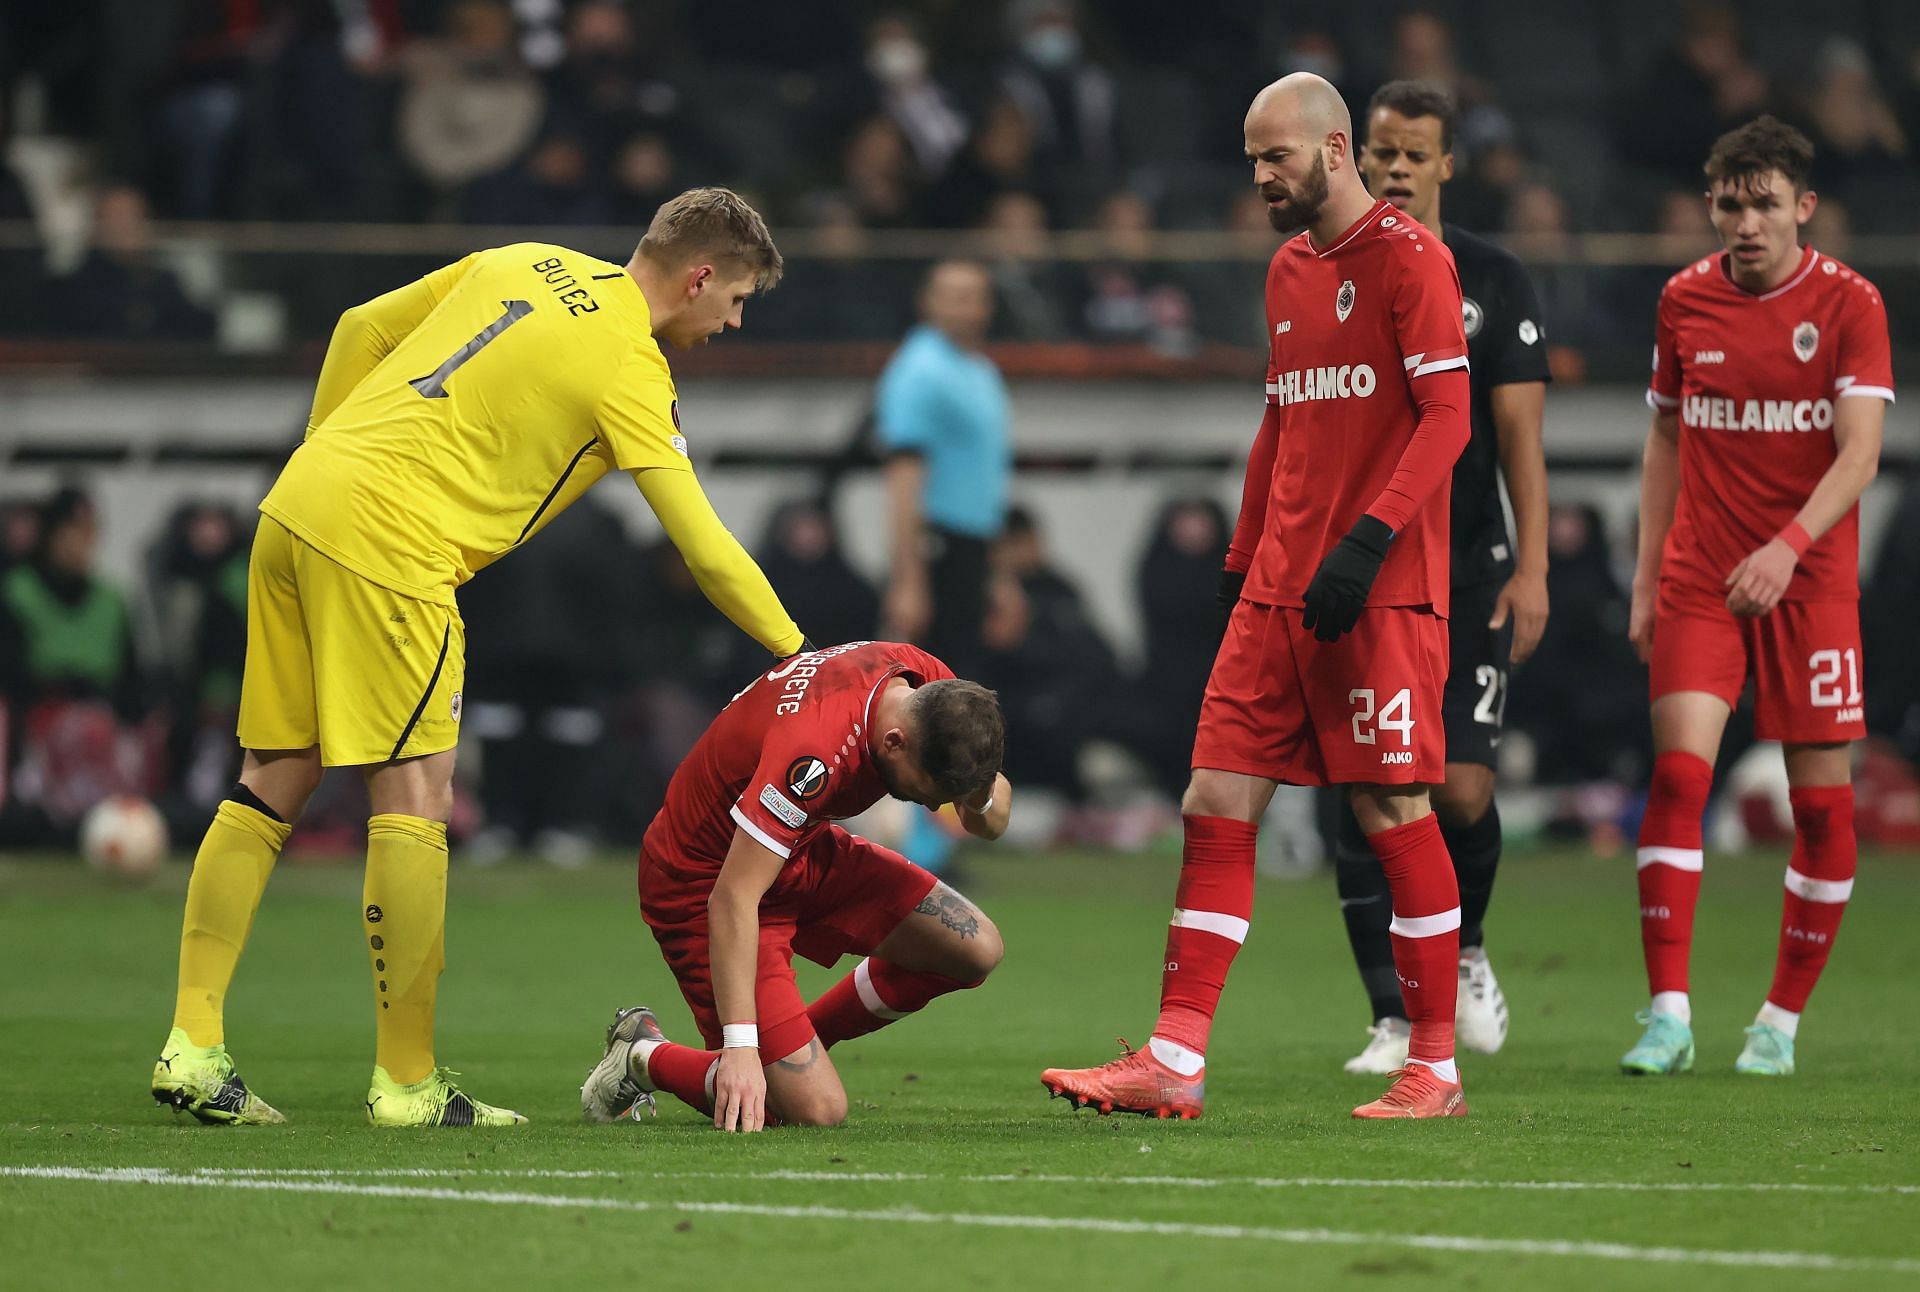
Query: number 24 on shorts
[(1396, 715)]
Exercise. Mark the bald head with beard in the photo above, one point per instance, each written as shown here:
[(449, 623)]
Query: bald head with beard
[(1300, 139)]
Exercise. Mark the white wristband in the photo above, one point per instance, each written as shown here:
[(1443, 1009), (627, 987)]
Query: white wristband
[(740, 1036), (984, 808)]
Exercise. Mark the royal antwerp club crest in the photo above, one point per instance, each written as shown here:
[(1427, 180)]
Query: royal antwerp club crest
[(1343, 303), (1806, 339)]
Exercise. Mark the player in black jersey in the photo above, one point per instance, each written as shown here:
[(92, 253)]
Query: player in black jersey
[(1499, 578)]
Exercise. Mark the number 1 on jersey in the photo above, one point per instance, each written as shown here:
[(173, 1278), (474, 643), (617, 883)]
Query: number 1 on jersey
[(434, 384)]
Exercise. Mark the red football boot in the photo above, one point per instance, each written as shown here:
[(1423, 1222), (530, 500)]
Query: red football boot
[(1417, 1091), (1136, 1082)]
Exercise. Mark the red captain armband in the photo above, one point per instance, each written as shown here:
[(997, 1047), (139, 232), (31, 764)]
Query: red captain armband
[(1795, 536)]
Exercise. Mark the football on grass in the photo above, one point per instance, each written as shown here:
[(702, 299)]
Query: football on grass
[(123, 836)]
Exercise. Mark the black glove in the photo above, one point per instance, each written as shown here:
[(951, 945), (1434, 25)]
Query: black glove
[(1228, 594), (1339, 589), (806, 647)]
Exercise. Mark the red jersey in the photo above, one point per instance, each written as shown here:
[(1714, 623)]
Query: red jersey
[(1352, 327), (786, 756), (1755, 380)]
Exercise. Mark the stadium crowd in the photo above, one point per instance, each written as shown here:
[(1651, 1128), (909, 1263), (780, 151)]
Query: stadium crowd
[(1011, 120)]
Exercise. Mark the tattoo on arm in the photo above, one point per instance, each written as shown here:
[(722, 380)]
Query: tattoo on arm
[(952, 910), (804, 1060)]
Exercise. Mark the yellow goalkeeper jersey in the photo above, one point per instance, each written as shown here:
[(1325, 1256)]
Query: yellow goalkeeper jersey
[(462, 412)]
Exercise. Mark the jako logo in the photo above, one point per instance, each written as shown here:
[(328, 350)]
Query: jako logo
[(1397, 756), (1656, 912), (1348, 381), (1807, 935), (1709, 356)]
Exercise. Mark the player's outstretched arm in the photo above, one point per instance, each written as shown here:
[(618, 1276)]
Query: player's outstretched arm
[(1756, 584), (1659, 491), (987, 819), (1519, 408), (726, 574), (733, 920), (367, 333)]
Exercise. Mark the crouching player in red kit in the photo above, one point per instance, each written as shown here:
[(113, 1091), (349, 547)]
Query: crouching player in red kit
[(743, 867), (1336, 653), (1771, 381)]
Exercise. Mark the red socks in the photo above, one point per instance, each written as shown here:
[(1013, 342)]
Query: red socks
[(1819, 881), (873, 995), (1669, 863), (1425, 932), (1212, 905), (684, 1073)]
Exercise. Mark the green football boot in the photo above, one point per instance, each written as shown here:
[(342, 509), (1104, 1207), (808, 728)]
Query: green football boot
[(1769, 1053), (202, 1081), (431, 1101), (1664, 1051)]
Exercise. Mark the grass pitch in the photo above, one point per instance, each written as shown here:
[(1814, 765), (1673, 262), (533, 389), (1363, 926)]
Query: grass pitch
[(955, 1170)]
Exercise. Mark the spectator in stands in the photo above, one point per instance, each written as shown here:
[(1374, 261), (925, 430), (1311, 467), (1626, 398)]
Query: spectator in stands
[(1054, 671), (943, 420), (70, 677), (801, 556), (1831, 228), (999, 159), (1423, 49), (896, 81), (1183, 624), (1855, 132), (547, 643), (119, 291), (198, 113), (199, 593), (877, 173), (1126, 296), (1583, 685), (1070, 101), (1633, 292), (552, 186), (1027, 280), (469, 105), (322, 94), (616, 81), (1701, 87), (1542, 236), (644, 175)]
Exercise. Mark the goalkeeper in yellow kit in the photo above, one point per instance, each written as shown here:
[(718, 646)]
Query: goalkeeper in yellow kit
[(453, 418)]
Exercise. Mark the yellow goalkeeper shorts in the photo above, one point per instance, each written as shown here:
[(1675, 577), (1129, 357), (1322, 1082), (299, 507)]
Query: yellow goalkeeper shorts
[(333, 659)]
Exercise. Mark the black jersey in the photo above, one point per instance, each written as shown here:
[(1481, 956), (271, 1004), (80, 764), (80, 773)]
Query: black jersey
[(1506, 344)]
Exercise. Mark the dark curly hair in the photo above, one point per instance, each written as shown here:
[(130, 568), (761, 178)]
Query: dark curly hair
[(961, 736), (1763, 145)]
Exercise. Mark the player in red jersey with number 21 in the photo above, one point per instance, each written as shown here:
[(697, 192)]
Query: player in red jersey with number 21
[(1336, 653), (1771, 381)]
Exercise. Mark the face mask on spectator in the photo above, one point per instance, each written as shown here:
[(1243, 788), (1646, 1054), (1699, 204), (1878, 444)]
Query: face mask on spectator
[(1051, 46), (897, 60)]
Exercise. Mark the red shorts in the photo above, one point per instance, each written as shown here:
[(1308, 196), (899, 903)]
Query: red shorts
[(1285, 706), (839, 895), (1803, 656)]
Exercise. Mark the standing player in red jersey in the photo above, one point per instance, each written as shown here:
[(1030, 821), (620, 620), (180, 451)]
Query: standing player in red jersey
[(1336, 653), (743, 867), (1771, 380)]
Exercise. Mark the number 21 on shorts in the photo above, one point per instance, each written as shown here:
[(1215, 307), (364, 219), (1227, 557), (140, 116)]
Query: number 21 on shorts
[(1396, 715), (1824, 687)]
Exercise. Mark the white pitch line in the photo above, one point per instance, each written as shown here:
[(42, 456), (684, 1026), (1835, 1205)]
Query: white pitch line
[(1037, 1177), (1086, 1224)]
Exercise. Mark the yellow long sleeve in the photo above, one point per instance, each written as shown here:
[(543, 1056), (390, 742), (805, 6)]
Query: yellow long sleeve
[(722, 568), (367, 333)]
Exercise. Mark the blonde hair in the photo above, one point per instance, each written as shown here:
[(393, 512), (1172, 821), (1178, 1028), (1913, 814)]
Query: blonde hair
[(716, 223)]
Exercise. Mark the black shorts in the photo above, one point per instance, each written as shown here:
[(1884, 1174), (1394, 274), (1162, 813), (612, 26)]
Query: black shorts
[(1474, 704)]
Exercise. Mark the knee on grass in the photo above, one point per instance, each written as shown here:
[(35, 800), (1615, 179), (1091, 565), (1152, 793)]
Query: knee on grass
[(813, 1106)]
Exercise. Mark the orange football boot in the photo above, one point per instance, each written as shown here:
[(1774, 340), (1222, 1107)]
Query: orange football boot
[(1136, 1082), (1417, 1091)]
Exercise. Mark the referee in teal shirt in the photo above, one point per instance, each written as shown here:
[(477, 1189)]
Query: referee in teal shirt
[(943, 421)]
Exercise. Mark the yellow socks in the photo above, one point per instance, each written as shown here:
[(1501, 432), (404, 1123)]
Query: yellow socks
[(229, 875), (405, 918)]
